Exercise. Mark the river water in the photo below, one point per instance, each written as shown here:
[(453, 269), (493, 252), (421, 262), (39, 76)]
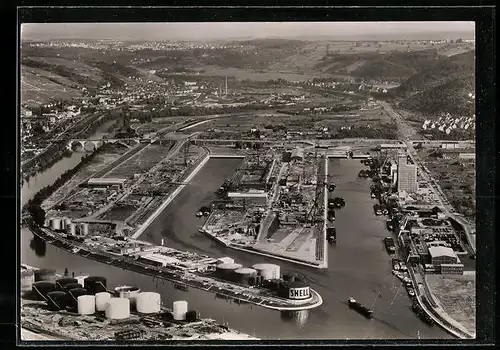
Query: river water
[(358, 265)]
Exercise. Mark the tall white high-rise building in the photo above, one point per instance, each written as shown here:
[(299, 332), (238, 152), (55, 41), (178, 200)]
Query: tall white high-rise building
[(407, 176)]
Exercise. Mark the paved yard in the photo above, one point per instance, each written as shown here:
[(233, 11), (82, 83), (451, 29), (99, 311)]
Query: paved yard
[(457, 296)]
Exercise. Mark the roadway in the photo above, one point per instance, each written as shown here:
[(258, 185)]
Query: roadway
[(407, 133)]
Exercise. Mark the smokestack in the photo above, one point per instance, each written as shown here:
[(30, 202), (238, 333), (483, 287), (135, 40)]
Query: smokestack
[(226, 85)]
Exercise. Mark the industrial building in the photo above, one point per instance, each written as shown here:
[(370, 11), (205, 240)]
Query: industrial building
[(392, 146), (442, 255), (407, 176), (257, 198), (297, 154), (106, 182)]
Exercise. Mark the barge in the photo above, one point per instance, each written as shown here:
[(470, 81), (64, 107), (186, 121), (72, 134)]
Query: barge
[(389, 245), (363, 310)]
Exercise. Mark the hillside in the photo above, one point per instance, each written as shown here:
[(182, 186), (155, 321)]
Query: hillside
[(393, 65), (443, 87), (444, 69), (47, 75)]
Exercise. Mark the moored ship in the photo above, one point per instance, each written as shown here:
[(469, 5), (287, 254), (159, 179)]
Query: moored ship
[(363, 310)]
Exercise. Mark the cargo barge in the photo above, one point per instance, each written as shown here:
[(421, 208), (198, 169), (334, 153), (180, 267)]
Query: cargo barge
[(389, 245), (422, 314), (363, 310), (258, 296)]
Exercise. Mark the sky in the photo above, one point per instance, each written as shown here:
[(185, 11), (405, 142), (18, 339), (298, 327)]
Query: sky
[(236, 30)]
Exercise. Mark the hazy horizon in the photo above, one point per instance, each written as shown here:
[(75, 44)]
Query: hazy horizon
[(210, 31)]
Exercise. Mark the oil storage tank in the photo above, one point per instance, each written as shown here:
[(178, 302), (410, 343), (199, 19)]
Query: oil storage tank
[(27, 280), (148, 302), (61, 282), (180, 308), (72, 229), (63, 224), (71, 286), (95, 284), (45, 275), (295, 291), (101, 299), (128, 292), (42, 288), (86, 304), (57, 300), (118, 308), (192, 316), (226, 270), (84, 229), (67, 222), (268, 271), (55, 224), (73, 295), (242, 275)]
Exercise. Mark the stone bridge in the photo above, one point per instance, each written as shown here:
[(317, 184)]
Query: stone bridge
[(91, 145)]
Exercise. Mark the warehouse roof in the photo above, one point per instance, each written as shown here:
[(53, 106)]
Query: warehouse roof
[(106, 181), (442, 251), (298, 152)]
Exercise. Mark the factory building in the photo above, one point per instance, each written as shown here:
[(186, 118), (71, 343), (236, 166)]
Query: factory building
[(392, 146), (407, 176), (257, 198), (442, 255), (106, 182), (297, 154)]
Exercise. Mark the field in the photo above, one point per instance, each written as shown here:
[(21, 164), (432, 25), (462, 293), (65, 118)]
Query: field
[(457, 296), (118, 213), (141, 162), (458, 182)]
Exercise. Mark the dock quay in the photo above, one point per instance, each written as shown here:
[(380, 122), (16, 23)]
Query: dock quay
[(178, 274)]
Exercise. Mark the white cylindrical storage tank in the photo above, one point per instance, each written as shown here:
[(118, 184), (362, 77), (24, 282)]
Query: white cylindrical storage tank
[(27, 280), (72, 229), (148, 302), (55, 224), (118, 308), (63, 223), (86, 305), (180, 309), (268, 271), (84, 229), (67, 222), (101, 299)]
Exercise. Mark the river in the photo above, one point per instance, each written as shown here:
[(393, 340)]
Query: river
[(358, 266)]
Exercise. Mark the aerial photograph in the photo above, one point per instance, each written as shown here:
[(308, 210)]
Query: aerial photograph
[(204, 181)]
